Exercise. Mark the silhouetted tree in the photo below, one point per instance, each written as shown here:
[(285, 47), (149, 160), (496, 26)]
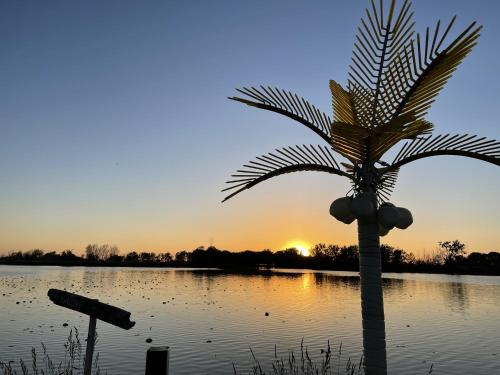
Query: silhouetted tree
[(18, 255), (348, 257), (115, 258), (95, 252), (50, 255), (147, 257), (319, 250), (453, 251), (132, 257), (182, 256), (494, 261), (165, 257), (68, 255), (33, 254), (288, 258)]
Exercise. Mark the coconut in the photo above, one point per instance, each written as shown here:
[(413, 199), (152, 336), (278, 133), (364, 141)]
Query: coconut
[(362, 206), (340, 209), (388, 216), (405, 218), (382, 231)]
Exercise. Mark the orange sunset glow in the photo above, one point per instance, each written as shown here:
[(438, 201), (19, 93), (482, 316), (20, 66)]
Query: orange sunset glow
[(233, 187), (303, 247)]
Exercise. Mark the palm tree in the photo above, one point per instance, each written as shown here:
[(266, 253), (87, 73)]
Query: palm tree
[(394, 78)]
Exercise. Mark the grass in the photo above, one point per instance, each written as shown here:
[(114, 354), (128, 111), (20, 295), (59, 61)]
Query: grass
[(330, 364), (71, 365)]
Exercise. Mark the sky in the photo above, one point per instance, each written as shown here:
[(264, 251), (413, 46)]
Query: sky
[(115, 125)]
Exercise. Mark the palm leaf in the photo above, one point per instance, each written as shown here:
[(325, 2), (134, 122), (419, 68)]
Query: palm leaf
[(463, 145), (402, 127), (393, 74), (285, 160), (288, 104), (379, 44), (429, 68), (348, 137), (349, 140), (386, 184), (343, 108), (384, 181)]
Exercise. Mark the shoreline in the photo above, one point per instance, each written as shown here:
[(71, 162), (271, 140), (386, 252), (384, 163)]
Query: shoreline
[(244, 269)]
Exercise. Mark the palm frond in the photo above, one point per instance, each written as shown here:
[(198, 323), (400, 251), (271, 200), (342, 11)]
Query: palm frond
[(284, 160), (466, 145), (343, 107), (348, 137), (402, 127), (349, 140), (288, 104), (384, 179), (393, 73), (429, 68), (386, 184), (380, 43)]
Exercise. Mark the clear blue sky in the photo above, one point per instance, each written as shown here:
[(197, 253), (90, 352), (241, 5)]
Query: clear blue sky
[(115, 125)]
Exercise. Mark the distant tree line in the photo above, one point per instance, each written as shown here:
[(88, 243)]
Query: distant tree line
[(450, 257)]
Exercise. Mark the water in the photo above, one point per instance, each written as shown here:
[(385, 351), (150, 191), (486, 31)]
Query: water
[(210, 319)]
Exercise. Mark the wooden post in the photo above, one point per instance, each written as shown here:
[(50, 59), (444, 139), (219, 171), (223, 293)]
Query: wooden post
[(90, 346), (157, 360), (96, 310)]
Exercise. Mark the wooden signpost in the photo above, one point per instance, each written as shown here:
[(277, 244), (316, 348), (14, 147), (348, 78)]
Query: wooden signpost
[(96, 310)]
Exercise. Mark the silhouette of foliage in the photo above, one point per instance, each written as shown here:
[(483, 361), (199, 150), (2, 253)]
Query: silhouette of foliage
[(454, 250), (450, 258)]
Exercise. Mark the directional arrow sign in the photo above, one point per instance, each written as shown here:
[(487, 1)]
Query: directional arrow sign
[(102, 311), (96, 310)]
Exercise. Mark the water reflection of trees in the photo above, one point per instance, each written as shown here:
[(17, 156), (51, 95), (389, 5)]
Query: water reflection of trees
[(264, 274), (322, 279), (457, 295), (390, 285)]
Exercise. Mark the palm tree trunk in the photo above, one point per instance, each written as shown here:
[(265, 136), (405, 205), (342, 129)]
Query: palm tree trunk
[(372, 301)]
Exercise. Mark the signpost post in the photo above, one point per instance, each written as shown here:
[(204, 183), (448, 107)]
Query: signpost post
[(96, 310), (157, 360)]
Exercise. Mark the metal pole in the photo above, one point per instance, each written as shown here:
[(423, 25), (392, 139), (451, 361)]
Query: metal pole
[(90, 346)]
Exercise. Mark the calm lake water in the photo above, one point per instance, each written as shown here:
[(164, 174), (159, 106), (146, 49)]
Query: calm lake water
[(210, 319)]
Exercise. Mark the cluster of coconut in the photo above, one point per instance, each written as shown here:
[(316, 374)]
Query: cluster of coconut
[(348, 209)]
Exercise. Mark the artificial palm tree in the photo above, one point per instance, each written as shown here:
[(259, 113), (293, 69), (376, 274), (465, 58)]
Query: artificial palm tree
[(394, 78)]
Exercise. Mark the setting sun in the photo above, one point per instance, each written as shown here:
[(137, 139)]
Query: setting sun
[(302, 247)]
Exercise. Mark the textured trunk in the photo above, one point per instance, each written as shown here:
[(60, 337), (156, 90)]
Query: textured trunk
[(372, 301)]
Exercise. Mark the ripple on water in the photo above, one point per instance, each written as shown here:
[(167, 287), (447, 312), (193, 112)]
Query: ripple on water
[(211, 319)]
